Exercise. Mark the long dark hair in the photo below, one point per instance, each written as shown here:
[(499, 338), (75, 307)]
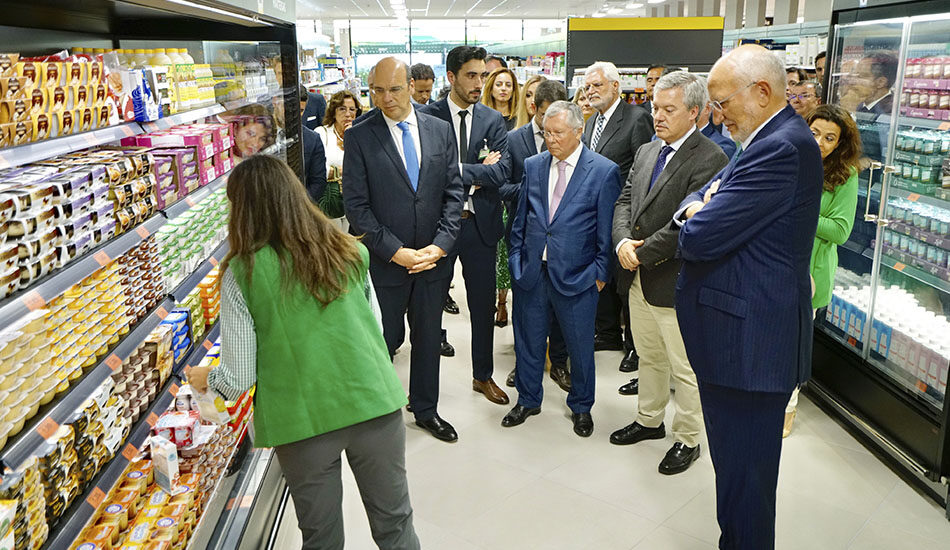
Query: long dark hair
[(844, 159), (270, 207)]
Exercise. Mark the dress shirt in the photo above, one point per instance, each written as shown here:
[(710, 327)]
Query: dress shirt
[(552, 180), (333, 150), (456, 124), (538, 133), (871, 105), (678, 216), (609, 113), (676, 147), (397, 135)]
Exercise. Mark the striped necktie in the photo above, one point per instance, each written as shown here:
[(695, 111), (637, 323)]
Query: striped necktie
[(598, 129)]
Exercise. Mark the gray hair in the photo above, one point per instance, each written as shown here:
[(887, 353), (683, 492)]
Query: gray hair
[(814, 84), (608, 69), (755, 63), (693, 86), (574, 118)]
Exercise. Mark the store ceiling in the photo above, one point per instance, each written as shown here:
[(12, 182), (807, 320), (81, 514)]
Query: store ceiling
[(432, 9)]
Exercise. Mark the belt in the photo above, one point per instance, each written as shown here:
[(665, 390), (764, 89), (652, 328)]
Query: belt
[(466, 214), (544, 265)]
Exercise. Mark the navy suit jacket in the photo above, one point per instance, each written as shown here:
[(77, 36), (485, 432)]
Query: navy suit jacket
[(520, 147), (728, 146), (629, 127), (578, 238), (314, 164), (743, 298), (487, 125), (381, 204), (315, 109)]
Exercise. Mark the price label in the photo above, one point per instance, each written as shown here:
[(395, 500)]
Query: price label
[(130, 452), (230, 504), (921, 386), (4, 163), (944, 126), (852, 342), (127, 130), (189, 201), (113, 361), (142, 231), (246, 501), (173, 389), (913, 197), (33, 301), (96, 497), (161, 312), (214, 261), (899, 266), (151, 419), (90, 139), (102, 258), (47, 428), (208, 344)]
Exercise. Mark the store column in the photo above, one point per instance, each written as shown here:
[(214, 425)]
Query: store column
[(735, 9), (817, 10), (755, 13), (786, 11)]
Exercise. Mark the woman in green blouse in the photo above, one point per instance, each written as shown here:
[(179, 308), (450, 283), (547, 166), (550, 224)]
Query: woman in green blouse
[(297, 321), (840, 145)]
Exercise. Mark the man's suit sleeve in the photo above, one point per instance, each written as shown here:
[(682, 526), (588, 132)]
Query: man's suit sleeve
[(661, 246), (622, 213), (494, 175), (757, 192), (518, 229), (356, 202), (606, 200), (316, 169), (452, 198), (510, 189), (641, 132)]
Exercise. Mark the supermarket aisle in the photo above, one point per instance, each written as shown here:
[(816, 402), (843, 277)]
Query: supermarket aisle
[(540, 486)]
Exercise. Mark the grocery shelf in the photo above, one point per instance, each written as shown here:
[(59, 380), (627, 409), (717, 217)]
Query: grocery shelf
[(916, 273), (259, 488), (922, 120), (216, 503), (192, 199), (191, 281), (183, 118), (83, 509), (244, 101), (40, 150), (44, 424), (917, 197), (198, 352), (52, 285)]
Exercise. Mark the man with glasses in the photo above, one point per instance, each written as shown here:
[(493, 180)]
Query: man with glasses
[(403, 191), (560, 259), (743, 297), (616, 132), (805, 97)]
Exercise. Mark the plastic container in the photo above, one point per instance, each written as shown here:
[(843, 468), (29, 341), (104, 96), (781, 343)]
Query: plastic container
[(186, 57), (159, 58), (138, 59)]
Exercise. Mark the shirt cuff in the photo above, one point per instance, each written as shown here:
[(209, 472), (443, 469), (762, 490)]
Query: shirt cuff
[(617, 250), (678, 217)]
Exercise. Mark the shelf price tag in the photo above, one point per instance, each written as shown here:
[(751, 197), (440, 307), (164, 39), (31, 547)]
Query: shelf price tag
[(142, 231), (151, 419), (96, 497), (130, 452), (33, 301), (913, 197), (207, 344), (173, 389), (190, 201), (944, 126), (127, 130), (4, 163), (161, 312), (113, 361), (90, 139), (102, 258), (899, 266), (47, 428), (214, 261)]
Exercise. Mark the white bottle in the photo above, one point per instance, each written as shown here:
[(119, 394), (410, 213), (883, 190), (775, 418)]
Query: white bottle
[(173, 54), (186, 56), (139, 59), (159, 59)]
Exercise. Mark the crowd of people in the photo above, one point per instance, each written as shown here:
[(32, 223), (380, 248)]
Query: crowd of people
[(696, 232)]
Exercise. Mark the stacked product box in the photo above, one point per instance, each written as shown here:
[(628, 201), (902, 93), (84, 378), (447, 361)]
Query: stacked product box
[(210, 297), (177, 321), (48, 97), (23, 508), (926, 92), (8, 513), (211, 145), (920, 233), (196, 318), (920, 157), (141, 273), (188, 239)]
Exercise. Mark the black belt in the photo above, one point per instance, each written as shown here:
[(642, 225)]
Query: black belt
[(544, 265), (466, 214)]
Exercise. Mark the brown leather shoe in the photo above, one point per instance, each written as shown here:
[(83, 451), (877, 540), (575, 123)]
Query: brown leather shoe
[(491, 391)]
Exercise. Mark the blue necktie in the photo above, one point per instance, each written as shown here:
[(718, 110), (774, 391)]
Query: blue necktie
[(409, 151), (660, 164), (735, 158)]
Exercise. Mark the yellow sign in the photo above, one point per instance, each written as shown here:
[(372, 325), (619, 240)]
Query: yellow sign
[(645, 23)]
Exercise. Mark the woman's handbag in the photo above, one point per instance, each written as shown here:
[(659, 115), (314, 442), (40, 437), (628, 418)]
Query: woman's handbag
[(331, 203)]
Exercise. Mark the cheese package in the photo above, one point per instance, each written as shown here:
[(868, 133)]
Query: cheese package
[(8, 510), (165, 464)]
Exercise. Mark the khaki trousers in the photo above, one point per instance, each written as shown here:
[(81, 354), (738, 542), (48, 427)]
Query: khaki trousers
[(663, 355)]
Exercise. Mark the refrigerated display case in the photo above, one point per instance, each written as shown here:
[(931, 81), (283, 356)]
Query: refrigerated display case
[(882, 346)]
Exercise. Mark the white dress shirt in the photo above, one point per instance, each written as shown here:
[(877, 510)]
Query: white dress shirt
[(610, 112), (332, 148), (678, 218), (456, 125), (397, 135), (538, 134), (552, 181), (676, 147)]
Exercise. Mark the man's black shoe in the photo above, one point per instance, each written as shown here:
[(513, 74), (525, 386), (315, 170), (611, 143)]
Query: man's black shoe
[(678, 459), (440, 429), (450, 306), (583, 424), (630, 388), (635, 433), (518, 415), (607, 344), (510, 381), (561, 377), (447, 350), (631, 362)]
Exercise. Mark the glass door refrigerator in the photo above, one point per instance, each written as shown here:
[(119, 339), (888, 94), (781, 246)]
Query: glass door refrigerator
[(882, 347)]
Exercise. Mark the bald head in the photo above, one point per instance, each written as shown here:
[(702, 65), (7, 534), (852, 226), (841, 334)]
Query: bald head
[(749, 84), (390, 88)]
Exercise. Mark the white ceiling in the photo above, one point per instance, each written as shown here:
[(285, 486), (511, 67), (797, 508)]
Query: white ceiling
[(431, 9)]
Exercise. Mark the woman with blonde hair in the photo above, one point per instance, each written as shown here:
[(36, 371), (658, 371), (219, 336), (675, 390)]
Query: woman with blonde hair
[(526, 101), (502, 93), (580, 99)]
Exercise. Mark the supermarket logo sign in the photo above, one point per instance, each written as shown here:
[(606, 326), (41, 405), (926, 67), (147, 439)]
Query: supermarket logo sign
[(279, 5)]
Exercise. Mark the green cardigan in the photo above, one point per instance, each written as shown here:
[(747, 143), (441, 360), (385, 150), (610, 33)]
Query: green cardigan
[(319, 369), (835, 222)]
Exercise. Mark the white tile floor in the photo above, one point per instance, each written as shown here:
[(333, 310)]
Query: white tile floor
[(539, 486)]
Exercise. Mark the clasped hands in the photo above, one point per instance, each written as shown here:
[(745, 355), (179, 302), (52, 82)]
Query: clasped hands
[(697, 206), (420, 260), (628, 254), (492, 158)]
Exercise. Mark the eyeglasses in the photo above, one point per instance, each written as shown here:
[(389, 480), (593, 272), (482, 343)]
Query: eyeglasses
[(718, 105), (556, 135), (801, 96), (591, 85)]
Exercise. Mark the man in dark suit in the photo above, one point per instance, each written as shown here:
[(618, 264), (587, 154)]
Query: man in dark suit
[(616, 132), (482, 143), (403, 191), (664, 172), (560, 257), (743, 298), (423, 77), (314, 156), (314, 106), (654, 72), (525, 142), (708, 129)]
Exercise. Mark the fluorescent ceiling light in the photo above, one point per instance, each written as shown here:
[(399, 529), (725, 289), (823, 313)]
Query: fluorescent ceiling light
[(655, 1), (634, 5), (598, 14), (614, 10)]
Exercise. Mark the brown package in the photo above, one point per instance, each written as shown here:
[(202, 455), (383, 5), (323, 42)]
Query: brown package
[(32, 71), (7, 63), (16, 133), (14, 110), (45, 126), (13, 87), (54, 74)]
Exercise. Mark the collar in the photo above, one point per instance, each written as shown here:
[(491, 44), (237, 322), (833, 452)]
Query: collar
[(610, 111), (535, 128), (871, 105), (703, 129), (571, 159), (748, 140), (411, 119), (679, 143), (455, 109)]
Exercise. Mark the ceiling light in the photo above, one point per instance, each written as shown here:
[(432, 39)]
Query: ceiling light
[(614, 10), (598, 14), (655, 1), (634, 5)]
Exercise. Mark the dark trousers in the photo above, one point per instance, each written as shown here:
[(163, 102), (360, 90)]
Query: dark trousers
[(422, 300), (575, 315), (478, 272), (745, 443), (557, 348)]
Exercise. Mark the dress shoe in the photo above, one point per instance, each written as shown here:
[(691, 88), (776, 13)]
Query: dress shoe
[(607, 344), (450, 306), (789, 421), (440, 429), (510, 381), (631, 362), (447, 350), (583, 424), (630, 388), (518, 415), (491, 391), (501, 315), (561, 377), (678, 458), (635, 433)]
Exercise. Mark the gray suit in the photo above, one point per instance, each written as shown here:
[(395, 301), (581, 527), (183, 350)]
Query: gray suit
[(643, 215)]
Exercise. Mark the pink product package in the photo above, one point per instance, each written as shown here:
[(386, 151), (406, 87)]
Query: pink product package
[(221, 134), (201, 141), (181, 159), (206, 170), (177, 426)]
